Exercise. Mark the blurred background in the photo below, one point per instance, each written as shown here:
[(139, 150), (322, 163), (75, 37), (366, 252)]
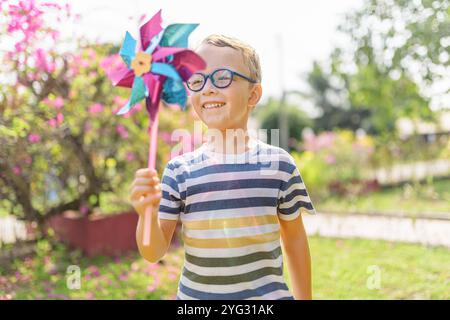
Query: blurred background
[(359, 89)]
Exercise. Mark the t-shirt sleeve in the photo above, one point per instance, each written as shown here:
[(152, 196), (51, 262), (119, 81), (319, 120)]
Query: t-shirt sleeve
[(171, 204), (293, 197)]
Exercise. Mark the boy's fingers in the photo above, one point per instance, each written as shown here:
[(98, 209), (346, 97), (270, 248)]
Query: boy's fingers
[(144, 182), (138, 191), (150, 199), (139, 182), (145, 172)]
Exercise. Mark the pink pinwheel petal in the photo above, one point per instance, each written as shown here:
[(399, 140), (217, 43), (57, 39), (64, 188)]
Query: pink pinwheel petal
[(122, 77), (187, 62), (163, 52), (150, 80), (152, 101), (150, 29)]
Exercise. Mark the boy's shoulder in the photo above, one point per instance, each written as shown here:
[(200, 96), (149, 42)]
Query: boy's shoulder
[(276, 153), (187, 158)]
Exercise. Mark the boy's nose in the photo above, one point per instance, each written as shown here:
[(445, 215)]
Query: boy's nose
[(209, 88)]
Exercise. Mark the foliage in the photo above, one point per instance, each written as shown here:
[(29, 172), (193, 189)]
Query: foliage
[(63, 147), (398, 50), (334, 157), (268, 116)]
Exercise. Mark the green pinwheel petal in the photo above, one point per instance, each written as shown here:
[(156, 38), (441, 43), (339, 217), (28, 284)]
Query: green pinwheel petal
[(174, 93), (138, 92), (176, 35)]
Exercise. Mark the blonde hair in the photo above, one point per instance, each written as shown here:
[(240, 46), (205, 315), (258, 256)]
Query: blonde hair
[(251, 58)]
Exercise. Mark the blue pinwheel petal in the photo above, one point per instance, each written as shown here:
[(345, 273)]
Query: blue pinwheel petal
[(165, 70), (128, 50), (176, 35), (138, 92), (154, 42), (174, 93)]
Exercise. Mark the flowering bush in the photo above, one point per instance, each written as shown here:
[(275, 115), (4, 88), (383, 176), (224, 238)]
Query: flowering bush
[(333, 161), (63, 147)]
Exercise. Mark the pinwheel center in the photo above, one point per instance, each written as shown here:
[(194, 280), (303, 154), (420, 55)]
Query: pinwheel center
[(141, 63)]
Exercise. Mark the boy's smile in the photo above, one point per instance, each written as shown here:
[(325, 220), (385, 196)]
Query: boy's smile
[(225, 108)]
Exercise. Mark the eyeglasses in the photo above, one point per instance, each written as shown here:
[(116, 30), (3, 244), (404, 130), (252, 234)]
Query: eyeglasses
[(220, 78)]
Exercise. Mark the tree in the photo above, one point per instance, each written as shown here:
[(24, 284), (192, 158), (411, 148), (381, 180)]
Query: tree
[(268, 116), (397, 50)]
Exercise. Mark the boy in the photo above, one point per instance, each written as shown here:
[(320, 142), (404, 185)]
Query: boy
[(234, 206)]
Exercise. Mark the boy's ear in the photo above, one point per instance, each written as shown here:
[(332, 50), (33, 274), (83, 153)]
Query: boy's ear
[(255, 95)]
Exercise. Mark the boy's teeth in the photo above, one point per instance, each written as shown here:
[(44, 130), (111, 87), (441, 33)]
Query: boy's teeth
[(213, 105)]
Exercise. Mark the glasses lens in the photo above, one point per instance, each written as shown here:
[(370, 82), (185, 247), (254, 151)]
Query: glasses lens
[(195, 82), (222, 78)]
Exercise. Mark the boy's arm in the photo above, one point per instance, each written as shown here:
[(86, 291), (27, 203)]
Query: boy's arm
[(161, 237), (296, 250)]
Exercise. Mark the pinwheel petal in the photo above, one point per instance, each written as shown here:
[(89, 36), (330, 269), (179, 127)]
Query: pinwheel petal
[(174, 93), (176, 35), (165, 70), (128, 50), (163, 52), (187, 62), (154, 43), (138, 92), (150, 29), (122, 77)]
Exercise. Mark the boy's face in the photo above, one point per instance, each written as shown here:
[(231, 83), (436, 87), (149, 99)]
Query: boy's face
[(239, 98)]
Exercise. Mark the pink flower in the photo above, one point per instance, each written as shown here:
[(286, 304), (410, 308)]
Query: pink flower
[(91, 54), (58, 103), (96, 108), (34, 137), (130, 156), (84, 209), (123, 276), (90, 296), (172, 276), (119, 101), (17, 170), (94, 271), (122, 131), (166, 137), (41, 61), (57, 120), (111, 62), (151, 288), (330, 159)]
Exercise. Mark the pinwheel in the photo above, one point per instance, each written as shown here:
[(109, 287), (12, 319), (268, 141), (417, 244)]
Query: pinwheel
[(157, 71)]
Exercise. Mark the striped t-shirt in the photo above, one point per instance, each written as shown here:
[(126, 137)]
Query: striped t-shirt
[(229, 206)]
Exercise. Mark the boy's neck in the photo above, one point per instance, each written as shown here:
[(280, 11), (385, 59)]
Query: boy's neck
[(229, 141)]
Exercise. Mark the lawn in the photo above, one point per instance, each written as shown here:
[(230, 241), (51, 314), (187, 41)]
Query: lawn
[(341, 270), (421, 199)]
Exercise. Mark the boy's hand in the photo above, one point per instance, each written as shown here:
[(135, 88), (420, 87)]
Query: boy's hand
[(145, 191)]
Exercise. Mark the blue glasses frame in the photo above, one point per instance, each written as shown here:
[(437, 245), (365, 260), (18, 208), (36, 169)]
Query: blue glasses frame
[(211, 76)]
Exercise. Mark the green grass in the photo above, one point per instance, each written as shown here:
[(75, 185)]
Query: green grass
[(341, 270), (424, 199)]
